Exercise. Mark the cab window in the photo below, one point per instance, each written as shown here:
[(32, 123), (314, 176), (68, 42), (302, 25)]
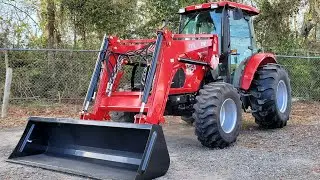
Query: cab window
[(240, 38), (203, 22)]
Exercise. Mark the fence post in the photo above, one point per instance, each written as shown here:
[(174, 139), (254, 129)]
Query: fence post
[(310, 85), (59, 97), (7, 87)]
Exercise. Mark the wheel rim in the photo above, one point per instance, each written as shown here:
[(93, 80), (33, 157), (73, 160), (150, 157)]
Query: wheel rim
[(282, 96), (228, 115)]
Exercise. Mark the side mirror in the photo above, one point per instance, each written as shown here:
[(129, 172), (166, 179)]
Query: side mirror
[(237, 14)]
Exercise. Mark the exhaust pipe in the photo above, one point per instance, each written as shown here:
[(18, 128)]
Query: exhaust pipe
[(100, 150)]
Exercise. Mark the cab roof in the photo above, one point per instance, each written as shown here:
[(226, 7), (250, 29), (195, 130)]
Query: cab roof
[(213, 5)]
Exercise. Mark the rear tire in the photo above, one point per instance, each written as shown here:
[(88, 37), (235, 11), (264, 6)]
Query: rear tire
[(117, 116), (217, 115), (271, 96)]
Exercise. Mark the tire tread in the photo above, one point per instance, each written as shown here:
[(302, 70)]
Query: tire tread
[(206, 114)]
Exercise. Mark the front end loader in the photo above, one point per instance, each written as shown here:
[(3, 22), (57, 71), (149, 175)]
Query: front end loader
[(207, 73)]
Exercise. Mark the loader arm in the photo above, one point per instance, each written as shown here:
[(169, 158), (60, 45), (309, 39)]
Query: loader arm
[(171, 52)]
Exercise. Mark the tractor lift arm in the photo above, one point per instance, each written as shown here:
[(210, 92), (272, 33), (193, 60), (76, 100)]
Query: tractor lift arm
[(96, 74), (194, 54), (152, 71)]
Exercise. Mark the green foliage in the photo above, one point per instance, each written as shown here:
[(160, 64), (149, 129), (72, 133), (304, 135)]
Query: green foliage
[(16, 23), (272, 26), (155, 11), (81, 23), (67, 74), (91, 19), (304, 75)]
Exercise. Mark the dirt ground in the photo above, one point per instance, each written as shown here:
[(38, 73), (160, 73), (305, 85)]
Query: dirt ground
[(289, 153)]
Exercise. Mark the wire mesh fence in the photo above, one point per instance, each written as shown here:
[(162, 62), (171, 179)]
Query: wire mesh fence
[(49, 75), (64, 75), (304, 72)]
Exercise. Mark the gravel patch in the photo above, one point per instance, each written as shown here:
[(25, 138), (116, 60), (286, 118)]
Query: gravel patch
[(289, 153)]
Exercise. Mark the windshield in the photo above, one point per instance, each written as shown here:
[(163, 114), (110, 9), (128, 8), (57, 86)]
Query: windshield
[(203, 22)]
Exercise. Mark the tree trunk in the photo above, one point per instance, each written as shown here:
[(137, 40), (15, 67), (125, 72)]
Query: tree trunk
[(50, 28), (84, 38), (74, 33), (51, 21)]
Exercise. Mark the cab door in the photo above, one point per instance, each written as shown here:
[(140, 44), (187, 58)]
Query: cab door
[(241, 39), (242, 44)]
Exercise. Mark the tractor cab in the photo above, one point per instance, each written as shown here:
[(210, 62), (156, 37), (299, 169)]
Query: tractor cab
[(232, 22)]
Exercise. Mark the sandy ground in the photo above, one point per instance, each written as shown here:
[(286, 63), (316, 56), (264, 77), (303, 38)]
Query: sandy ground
[(289, 153)]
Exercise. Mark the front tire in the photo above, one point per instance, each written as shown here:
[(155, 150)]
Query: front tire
[(271, 96), (217, 115)]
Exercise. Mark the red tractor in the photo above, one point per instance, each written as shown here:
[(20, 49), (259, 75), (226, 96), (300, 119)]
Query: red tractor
[(207, 73)]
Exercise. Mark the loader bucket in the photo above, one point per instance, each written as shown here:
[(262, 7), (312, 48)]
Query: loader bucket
[(94, 149)]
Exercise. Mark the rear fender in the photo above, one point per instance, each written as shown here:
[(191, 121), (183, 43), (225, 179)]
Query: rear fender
[(251, 67)]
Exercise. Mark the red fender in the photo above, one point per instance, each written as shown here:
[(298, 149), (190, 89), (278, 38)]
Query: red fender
[(252, 65)]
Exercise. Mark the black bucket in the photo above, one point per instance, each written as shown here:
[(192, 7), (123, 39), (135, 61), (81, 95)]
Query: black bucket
[(94, 149)]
